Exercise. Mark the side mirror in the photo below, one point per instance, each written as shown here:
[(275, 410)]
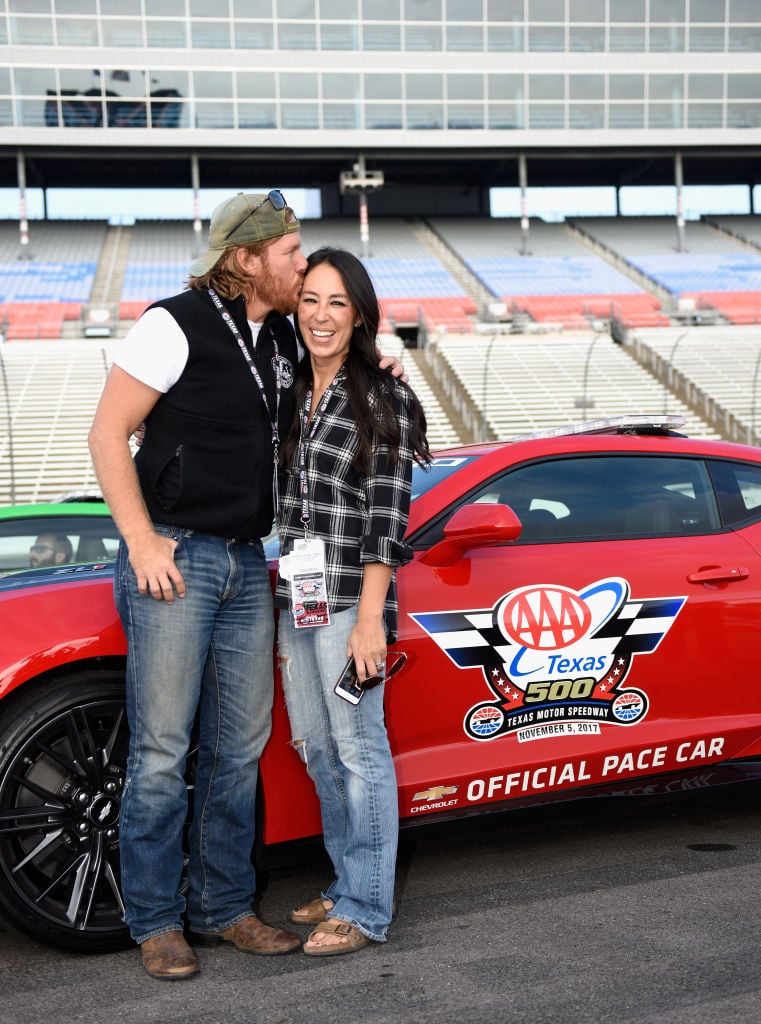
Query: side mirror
[(474, 526)]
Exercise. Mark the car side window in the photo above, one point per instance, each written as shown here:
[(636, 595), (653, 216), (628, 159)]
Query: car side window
[(738, 486), (608, 497), (41, 541)]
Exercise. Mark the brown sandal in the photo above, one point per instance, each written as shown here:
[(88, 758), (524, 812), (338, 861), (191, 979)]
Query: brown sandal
[(354, 939), (313, 913)]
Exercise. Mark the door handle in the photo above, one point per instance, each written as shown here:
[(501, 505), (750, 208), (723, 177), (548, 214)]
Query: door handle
[(719, 574)]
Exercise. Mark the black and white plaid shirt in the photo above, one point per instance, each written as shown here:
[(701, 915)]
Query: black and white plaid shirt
[(360, 518)]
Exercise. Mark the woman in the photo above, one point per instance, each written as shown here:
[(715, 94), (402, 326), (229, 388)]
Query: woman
[(344, 501)]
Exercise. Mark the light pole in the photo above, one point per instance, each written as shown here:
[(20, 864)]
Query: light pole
[(669, 382), (584, 403)]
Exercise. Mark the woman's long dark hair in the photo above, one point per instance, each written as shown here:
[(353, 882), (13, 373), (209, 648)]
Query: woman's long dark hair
[(376, 423)]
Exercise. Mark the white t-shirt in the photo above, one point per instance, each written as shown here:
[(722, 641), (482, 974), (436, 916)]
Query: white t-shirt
[(155, 349)]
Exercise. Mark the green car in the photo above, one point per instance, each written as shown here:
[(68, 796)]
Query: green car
[(60, 533)]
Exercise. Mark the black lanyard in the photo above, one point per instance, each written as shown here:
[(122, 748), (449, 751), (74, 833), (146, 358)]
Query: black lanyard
[(224, 313)]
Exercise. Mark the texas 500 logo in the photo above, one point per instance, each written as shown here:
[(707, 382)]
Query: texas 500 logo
[(549, 653)]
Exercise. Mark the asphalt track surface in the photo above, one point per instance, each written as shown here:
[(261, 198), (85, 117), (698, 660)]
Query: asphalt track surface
[(643, 911)]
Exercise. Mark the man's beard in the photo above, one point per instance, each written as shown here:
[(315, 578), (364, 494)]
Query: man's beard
[(277, 296)]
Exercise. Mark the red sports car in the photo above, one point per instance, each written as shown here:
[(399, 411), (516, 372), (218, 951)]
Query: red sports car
[(582, 616)]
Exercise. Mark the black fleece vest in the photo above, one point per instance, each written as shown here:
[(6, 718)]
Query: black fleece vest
[(207, 458)]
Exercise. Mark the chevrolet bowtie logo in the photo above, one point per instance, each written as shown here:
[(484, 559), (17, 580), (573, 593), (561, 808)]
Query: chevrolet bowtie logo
[(435, 793)]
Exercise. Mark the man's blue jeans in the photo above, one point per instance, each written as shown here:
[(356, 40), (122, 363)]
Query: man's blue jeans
[(347, 755), (209, 653)]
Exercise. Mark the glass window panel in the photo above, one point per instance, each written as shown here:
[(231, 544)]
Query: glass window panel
[(586, 87), (254, 84), (257, 115), (6, 115), (337, 86), (627, 40), (382, 37), (210, 35), (120, 7), (626, 87), (169, 113), (383, 115), (426, 38), (76, 6), (339, 37), (704, 39), (627, 10), (341, 116), (253, 35), (546, 87), (425, 116), (297, 37), (546, 39), (746, 39), (586, 39), (389, 10), (215, 115), (296, 85), (77, 31), (586, 10), (667, 10), (465, 115), (505, 87), (32, 31), (300, 116), (29, 6), (31, 114), (665, 115), (507, 115), (744, 10), (209, 84), (126, 112), (669, 39), (120, 32), (464, 10), (166, 33), (3, 31), (422, 10), (176, 80), (380, 86), (543, 116), (465, 87), (706, 10), (252, 8), (743, 87), (164, 7), (424, 87), (744, 115), (5, 81), (295, 9), (666, 87), (206, 8), (505, 10), (705, 115), (505, 40), (622, 115), (35, 81), (705, 87), (340, 10), (465, 38), (586, 115), (546, 10)]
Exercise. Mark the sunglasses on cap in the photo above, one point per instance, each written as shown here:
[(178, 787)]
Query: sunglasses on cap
[(276, 197)]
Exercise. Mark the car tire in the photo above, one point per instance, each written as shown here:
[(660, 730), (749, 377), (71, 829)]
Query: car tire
[(63, 753)]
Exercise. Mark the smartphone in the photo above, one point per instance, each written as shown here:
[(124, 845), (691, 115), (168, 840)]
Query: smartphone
[(346, 686)]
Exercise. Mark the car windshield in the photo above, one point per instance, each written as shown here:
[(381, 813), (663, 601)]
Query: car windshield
[(424, 478)]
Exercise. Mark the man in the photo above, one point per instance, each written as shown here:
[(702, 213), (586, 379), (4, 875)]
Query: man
[(50, 549), (210, 372)]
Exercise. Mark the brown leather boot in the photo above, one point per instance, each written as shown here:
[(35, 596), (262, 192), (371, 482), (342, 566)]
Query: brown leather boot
[(250, 935), (168, 957)]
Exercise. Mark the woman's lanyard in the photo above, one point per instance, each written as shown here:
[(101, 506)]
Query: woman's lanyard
[(223, 312), (306, 434)]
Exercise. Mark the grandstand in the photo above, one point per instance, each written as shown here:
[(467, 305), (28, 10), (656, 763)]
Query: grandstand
[(412, 113)]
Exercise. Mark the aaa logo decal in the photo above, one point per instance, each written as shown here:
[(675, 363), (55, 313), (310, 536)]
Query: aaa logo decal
[(550, 653)]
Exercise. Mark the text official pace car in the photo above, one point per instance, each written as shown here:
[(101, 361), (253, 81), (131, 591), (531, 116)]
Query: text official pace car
[(582, 615)]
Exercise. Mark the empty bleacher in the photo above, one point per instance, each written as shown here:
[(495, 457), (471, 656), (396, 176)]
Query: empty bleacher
[(714, 270), (547, 274), (159, 257)]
